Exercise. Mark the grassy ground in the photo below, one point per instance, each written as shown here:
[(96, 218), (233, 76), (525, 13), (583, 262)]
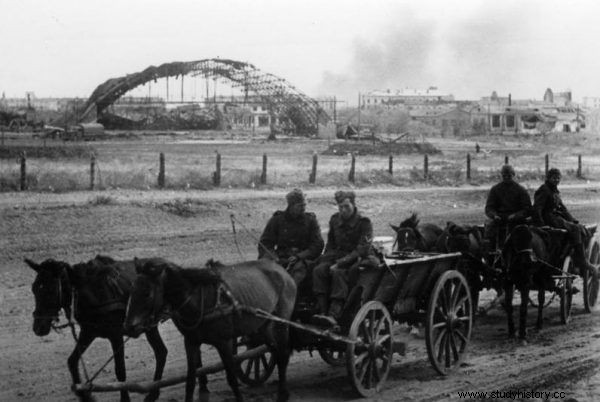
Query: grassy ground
[(190, 160)]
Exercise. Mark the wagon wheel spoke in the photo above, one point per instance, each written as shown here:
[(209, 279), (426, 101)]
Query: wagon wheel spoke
[(369, 372), (454, 348), (250, 363), (455, 293), (462, 337), (442, 315), (383, 339), (447, 349), (263, 359), (439, 325), (360, 358), (461, 303), (364, 330), (438, 344), (377, 327)]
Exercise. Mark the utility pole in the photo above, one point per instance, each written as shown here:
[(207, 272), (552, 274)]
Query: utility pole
[(182, 87)]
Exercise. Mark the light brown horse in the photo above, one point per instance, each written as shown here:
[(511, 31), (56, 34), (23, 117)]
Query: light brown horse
[(211, 306)]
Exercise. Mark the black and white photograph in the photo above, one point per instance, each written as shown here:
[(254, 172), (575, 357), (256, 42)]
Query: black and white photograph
[(299, 200)]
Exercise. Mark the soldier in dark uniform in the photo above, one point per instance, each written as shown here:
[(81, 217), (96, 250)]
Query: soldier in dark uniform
[(549, 210), (349, 245), (293, 238), (508, 204)]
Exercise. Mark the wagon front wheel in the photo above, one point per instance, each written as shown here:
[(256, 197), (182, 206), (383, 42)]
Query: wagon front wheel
[(449, 322), (256, 370), (369, 353), (591, 279)]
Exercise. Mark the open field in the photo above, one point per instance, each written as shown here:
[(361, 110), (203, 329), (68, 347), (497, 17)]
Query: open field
[(190, 160)]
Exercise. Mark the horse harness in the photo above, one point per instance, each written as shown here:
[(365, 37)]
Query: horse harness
[(225, 305)]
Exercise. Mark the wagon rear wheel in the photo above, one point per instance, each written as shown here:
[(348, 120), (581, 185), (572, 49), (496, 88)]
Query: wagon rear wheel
[(449, 322), (591, 280), (256, 370), (369, 356), (566, 292), (333, 357)]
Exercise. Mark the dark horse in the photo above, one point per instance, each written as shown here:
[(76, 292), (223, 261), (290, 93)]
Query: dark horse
[(410, 235), (480, 270), (100, 289), (527, 256), (212, 306)]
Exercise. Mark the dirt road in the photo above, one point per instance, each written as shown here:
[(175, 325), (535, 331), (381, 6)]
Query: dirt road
[(181, 226)]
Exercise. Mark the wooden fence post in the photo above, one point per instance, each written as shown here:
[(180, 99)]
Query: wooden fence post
[(468, 167), (217, 172), (426, 167), (352, 168), (263, 176), (313, 175), (23, 184), (547, 163), (92, 171), (391, 165), (161, 170), (579, 166)]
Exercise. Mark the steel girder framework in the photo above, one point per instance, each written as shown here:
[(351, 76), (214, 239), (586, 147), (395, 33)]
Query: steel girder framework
[(282, 98)]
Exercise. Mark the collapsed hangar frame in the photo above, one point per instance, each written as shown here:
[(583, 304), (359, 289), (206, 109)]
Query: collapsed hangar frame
[(280, 97)]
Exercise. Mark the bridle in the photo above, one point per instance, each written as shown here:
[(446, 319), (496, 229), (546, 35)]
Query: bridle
[(63, 303)]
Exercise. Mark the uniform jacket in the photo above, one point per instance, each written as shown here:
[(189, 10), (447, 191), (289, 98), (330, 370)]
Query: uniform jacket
[(549, 208), (351, 239), (506, 198), (286, 235)]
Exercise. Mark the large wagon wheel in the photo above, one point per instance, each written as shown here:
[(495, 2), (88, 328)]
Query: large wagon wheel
[(333, 357), (566, 291), (591, 279), (449, 322), (369, 357), (256, 370)]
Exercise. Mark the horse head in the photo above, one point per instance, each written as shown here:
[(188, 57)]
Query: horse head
[(147, 299), (407, 234), (52, 291)]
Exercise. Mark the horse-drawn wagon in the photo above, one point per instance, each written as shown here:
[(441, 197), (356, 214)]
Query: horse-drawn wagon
[(528, 259), (406, 288)]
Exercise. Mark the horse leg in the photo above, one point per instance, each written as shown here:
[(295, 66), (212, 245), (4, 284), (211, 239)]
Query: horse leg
[(508, 297), (281, 346), (191, 353), (83, 342), (225, 350), (523, 312), (160, 355), (202, 380), (541, 301), (117, 344)]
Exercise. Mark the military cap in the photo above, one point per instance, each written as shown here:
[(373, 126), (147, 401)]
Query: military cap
[(296, 196)]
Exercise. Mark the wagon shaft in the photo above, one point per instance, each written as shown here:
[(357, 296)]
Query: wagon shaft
[(147, 386)]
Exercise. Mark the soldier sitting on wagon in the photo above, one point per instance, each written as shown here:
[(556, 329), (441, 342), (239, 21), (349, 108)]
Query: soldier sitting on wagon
[(508, 204), (349, 246), (293, 237), (549, 210)]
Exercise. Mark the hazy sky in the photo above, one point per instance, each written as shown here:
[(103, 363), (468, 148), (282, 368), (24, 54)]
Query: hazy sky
[(323, 47)]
